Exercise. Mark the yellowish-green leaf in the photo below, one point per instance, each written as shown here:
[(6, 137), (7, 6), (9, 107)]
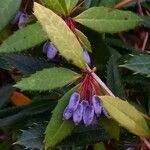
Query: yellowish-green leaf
[(126, 115), (58, 6), (61, 35), (58, 129), (70, 4), (84, 40), (99, 146), (47, 79), (106, 20)]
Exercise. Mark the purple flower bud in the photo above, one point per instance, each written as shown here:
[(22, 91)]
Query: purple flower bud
[(22, 19), (86, 56), (45, 47), (67, 113), (97, 105), (51, 50), (84, 103), (88, 115), (16, 19), (105, 113), (74, 101), (78, 113)]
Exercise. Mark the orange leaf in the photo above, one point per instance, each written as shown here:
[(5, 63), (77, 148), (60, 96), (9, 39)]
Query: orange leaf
[(19, 99)]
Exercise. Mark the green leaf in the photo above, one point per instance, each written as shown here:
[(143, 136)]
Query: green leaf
[(146, 21), (32, 137), (22, 62), (89, 135), (57, 129), (70, 4), (61, 36), (84, 40), (4, 146), (111, 126), (138, 64), (106, 20), (23, 39), (58, 6), (126, 115), (114, 81), (8, 9), (47, 79), (99, 146)]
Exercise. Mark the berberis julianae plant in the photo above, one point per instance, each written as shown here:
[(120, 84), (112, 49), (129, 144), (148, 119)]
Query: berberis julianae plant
[(74, 74)]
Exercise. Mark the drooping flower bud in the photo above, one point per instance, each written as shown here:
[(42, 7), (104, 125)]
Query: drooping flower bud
[(84, 103), (97, 105), (86, 56), (20, 19), (77, 114), (74, 101), (67, 113), (50, 50), (88, 115)]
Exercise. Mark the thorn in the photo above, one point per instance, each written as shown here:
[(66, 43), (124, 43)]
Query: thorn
[(122, 65), (131, 55)]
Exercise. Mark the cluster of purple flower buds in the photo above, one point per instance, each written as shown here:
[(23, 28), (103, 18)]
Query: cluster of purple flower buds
[(82, 110), (20, 19), (50, 50)]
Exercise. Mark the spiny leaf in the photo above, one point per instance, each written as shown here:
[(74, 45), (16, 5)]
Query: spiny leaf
[(126, 115), (58, 6), (118, 43), (58, 129), (5, 93), (27, 64), (89, 135), (57, 29), (8, 9), (106, 20), (24, 39), (32, 137), (111, 126), (138, 64), (47, 79), (25, 112), (146, 21), (84, 40), (70, 4), (113, 77)]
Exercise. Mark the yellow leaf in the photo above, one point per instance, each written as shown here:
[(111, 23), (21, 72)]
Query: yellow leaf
[(61, 35), (126, 115)]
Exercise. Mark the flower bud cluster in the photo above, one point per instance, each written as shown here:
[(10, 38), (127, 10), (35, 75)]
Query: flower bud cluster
[(84, 105)]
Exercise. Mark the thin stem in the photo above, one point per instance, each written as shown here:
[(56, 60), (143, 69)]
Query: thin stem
[(140, 8), (145, 41), (147, 143), (101, 83)]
